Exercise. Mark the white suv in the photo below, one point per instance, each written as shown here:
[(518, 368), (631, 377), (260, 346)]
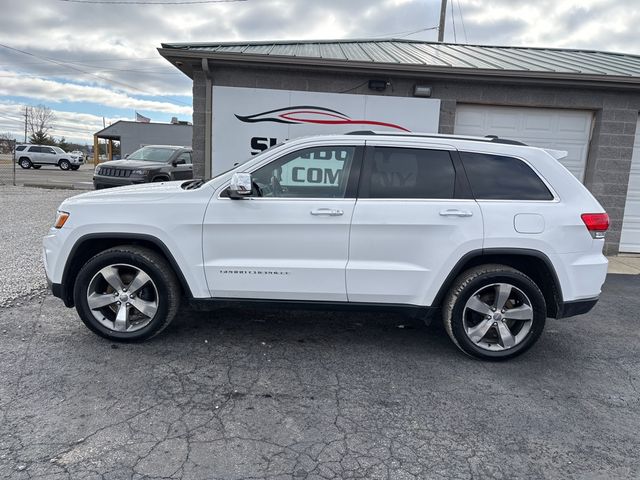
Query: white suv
[(492, 235), (35, 156)]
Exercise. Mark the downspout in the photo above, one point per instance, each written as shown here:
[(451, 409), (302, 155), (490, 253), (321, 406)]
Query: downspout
[(207, 118)]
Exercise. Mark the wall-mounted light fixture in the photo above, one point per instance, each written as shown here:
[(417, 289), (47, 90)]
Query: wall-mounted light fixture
[(378, 85), (422, 91)]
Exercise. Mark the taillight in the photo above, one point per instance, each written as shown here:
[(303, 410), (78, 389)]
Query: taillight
[(596, 223)]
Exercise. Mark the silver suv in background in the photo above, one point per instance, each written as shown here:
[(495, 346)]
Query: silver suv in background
[(28, 156)]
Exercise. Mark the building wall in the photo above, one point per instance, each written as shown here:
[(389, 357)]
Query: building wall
[(133, 135), (610, 151)]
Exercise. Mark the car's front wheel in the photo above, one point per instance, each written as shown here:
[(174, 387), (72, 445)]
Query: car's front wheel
[(64, 165), (127, 293), (494, 312)]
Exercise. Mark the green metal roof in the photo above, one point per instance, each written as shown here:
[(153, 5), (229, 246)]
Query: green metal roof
[(398, 54)]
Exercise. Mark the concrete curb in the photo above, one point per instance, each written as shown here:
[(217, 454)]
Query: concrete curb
[(59, 186)]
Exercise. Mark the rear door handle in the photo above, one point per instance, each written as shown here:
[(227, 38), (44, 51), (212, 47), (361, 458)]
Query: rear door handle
[(330, 212), (454, 212)]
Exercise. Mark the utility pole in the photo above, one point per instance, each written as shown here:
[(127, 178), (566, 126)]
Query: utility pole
[(26, 109), (443, 17)]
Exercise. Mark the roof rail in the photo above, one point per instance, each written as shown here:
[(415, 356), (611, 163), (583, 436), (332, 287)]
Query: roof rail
[(496, 139), (487, 138)]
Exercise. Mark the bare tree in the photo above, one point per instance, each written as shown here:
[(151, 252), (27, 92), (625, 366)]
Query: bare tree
[(39, 120)]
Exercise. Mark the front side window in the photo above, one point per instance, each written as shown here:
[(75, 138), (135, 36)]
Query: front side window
[(48, 150), (317, 172), (186, 156), (496, 177), (58, 150), (408, 173)]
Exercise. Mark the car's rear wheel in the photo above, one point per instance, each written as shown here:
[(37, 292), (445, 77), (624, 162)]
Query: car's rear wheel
[(64, 165), (25, 163), (127, 294), (494, 312)]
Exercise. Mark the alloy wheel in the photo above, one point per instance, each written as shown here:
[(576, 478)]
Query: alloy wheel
[(497, 317), (123, 298)]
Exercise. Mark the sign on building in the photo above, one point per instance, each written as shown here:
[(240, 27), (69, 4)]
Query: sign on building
[(247, 121)]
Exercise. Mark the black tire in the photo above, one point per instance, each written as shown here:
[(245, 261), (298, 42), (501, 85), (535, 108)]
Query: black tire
[(482, 279), (37, 167), (155, 266), (25, 163), (64, 164)]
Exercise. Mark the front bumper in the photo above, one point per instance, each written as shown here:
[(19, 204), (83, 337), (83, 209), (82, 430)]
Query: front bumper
[(100, 181)]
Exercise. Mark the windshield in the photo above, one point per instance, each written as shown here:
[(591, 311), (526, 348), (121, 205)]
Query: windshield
[(152, 154), (236, 165), (58, 150)]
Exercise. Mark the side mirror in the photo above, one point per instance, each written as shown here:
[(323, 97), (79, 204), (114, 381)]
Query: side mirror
[(126, 156), (175, 163), (241, 185)]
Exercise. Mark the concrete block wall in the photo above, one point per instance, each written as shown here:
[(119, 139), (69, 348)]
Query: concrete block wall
[(610, 151)]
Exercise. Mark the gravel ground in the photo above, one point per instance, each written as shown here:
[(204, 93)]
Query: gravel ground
[(27, 214)]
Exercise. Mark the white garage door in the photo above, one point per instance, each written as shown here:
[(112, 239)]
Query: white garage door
[(568, 130), (630, 241)]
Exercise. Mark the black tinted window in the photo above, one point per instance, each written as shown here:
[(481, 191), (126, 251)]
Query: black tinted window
[(495, 177), (408, 173), (35, 149), (20, 148)]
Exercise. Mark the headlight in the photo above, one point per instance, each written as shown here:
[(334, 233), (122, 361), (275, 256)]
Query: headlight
[(61, 219), (139, 172)]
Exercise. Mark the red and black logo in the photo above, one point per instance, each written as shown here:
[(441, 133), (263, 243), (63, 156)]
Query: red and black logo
[(312, 115)]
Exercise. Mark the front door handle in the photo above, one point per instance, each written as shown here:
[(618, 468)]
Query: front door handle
[(454, 212), (331, 212)]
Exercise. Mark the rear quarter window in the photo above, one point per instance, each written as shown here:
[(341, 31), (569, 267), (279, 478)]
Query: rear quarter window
[(20, 148), (498, 177)]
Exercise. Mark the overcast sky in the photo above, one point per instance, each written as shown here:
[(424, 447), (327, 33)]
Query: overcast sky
[(116, 44)]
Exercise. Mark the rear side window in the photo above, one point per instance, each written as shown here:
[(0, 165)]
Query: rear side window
[(496, 177), (408, 173), (35, 149)]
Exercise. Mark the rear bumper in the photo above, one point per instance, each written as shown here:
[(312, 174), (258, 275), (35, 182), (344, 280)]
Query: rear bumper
[(577, 307)]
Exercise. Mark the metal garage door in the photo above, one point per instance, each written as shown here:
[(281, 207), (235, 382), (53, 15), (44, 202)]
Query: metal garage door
[(568, 130), (630, 241)]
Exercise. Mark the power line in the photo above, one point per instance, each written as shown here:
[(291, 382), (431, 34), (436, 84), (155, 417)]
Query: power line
[(453, 21), (417, 31), (464, 29), (406, 33), (152, 2), (89, 63), (56, 62)]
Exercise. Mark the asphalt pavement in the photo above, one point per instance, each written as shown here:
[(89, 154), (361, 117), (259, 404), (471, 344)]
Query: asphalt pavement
[(47, 175), (239, 394)]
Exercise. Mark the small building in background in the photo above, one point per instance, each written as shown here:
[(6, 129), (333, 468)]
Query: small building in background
[(134, 135)]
